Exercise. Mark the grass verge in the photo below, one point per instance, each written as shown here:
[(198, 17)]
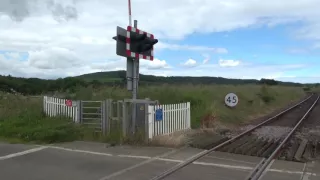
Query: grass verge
[(22, 120)]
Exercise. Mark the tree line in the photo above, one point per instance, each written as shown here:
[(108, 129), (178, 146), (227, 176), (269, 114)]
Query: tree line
[(35, 86)]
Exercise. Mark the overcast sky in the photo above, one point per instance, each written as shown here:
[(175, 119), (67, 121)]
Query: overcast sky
[(229, 38)]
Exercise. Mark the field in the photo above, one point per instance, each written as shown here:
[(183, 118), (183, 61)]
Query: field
[(21, 117), (208, 100)]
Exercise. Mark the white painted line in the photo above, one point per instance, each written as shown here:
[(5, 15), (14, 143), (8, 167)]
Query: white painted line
[(224, 166), (291, 172), (266, 170), (209, 164), (227, 166), (232, 160), (132, 156), (22, 153), (170, 160), (303, 170), (138, 165), (80, 151)]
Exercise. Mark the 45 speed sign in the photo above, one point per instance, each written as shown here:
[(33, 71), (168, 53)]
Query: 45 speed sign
[(231, 100)]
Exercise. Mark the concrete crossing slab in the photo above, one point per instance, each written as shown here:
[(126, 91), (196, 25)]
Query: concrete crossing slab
[(95, 161), (6, 149), (52, 164)]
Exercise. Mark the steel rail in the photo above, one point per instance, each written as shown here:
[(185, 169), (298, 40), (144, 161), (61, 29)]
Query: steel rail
[(255, 175), (205, 152)]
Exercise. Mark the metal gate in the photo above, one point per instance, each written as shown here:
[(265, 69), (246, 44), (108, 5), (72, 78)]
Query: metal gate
[(93, 114), (114, 117)]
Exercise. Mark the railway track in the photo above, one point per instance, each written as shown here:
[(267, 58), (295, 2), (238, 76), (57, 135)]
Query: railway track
[(250, 143), (262, 144)]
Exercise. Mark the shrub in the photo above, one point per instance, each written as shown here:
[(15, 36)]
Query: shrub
[(306, 89), (265, 94)]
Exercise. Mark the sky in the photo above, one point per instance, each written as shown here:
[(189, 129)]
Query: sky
[(247, 39)]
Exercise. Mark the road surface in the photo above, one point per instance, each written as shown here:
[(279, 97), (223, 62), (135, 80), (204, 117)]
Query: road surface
[(95, 161)]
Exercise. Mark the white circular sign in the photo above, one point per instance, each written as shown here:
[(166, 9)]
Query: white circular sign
[(231, 100)]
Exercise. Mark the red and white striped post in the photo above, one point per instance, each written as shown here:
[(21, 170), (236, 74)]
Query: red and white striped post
[(134, 64), (129, 7)]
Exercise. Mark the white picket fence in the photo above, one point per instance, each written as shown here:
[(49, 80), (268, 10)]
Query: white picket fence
[(58, 107), (175, 117)]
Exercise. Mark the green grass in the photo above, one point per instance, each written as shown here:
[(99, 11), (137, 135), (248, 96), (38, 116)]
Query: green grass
[(22, 120), (254, 100)]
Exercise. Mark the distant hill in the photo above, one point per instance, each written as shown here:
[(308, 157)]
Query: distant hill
[(38, 86), (120, 77)]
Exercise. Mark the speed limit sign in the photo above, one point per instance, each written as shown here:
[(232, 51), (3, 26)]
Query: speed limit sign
[(231, 100)]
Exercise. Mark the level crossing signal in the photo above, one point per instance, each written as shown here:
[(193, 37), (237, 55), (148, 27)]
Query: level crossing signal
[(134, 43)]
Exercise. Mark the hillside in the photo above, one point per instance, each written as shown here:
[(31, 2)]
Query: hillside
[(38, 86), (120, 76)]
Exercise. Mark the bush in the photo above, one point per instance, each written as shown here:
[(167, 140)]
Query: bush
[(270, 82), (265, 95), (306, 89)]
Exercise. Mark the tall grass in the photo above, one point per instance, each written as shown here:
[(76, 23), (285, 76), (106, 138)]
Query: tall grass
[(21, 117), (22, 120), (254, 100)]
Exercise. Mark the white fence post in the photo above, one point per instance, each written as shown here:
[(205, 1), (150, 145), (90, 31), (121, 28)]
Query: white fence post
[(151, 122), (188, 115), (50, 106), (44, 104)]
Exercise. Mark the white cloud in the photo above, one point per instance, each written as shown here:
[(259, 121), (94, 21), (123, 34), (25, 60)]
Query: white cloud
[(54, 58), (190, 63), (67, 37), (193, 63), (155, 64), (191, 48), (211, 16), (242, 71), (228, 63), (156, 67)]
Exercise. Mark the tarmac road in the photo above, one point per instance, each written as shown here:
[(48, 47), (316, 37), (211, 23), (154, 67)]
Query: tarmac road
[(94, 161)]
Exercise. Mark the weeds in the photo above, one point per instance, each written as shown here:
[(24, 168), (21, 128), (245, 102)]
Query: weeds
[(265, 94)]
